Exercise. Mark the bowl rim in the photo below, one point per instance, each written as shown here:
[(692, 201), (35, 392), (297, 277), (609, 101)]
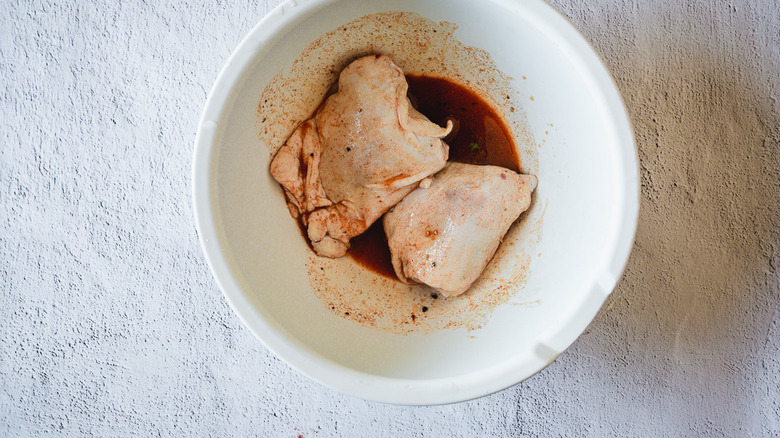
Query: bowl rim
[(385, 389)]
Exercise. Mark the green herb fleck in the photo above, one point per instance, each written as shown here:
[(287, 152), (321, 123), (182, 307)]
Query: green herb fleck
[(474, 146)]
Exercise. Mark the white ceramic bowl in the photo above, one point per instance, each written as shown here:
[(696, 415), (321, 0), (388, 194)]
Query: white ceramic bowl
[(588, 189)]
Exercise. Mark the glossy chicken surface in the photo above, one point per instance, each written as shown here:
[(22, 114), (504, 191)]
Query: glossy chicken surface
[(363, 151), (445, 235)]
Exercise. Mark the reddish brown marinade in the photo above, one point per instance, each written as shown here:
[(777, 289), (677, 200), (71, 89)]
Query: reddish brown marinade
[(481, 137), (371, 250)]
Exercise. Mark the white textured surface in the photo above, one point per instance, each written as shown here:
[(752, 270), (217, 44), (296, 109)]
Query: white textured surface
[(111, 324)]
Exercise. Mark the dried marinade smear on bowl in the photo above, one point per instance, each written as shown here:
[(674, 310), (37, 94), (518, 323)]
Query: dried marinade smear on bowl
[(352, 287)]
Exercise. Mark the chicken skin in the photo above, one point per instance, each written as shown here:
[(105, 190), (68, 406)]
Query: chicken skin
[(445, 235), (364, 150)]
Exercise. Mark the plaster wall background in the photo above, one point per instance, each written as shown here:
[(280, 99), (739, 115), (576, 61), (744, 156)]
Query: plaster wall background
[(110, 322)]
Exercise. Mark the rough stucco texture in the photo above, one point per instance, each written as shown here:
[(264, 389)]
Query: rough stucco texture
[(111, 324)]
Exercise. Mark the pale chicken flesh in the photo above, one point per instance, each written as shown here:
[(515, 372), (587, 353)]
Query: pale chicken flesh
[(445, 235), (364, 150)]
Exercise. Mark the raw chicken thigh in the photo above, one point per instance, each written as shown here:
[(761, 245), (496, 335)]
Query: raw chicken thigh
[(445, 235), (363, 151)]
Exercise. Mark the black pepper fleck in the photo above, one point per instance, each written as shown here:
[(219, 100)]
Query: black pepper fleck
[(434, 296), (424, 309), (348, 149)]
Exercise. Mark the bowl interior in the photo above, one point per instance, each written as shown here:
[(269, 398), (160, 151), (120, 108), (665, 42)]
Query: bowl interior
[(587, 199)]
